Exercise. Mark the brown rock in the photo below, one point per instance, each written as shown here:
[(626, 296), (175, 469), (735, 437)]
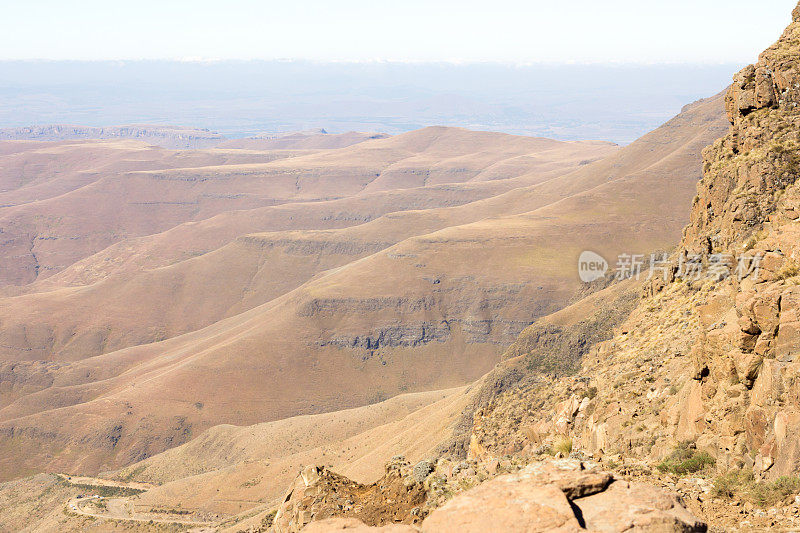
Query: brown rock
[(787, 344), (786, 428), (634, 506), (569, 475), (506, 504), (559, 496)]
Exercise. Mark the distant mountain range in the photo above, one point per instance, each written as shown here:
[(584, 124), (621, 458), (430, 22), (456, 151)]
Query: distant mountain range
[(618, 103), (176, 137)]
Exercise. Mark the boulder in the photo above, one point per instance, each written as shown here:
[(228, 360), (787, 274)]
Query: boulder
[(506, 504), (570, 475), (634, 506), (562, 496)]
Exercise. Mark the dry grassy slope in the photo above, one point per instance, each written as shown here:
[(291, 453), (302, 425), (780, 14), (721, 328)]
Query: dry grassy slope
[(440, 320), (232, 470), (245, 467), (301, 140), (40, 171), (243, 471), (38, 504), (45, 236), (155, 304), (34, 503), (108, 322), (69, 324), (191, 239), (80, 322), (41, 181)]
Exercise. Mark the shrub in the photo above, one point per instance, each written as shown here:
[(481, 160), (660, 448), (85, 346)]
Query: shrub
[(767, 494), (107, 491), (730, 484), (269, 519), (685, 460), (741, 485)]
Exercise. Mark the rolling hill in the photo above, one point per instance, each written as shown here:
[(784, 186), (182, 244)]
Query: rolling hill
[(326, 280)]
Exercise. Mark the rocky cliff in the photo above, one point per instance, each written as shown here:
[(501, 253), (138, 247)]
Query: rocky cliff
[(174, 137)]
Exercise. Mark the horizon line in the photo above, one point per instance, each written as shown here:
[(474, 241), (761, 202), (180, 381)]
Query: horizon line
[(378, 61)]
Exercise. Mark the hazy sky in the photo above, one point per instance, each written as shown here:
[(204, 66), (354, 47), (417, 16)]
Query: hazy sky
[(405, 30)]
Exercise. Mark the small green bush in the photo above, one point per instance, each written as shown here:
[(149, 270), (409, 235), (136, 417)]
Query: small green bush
[(767, 494), (685, 460), (730, 484), (741, 485)]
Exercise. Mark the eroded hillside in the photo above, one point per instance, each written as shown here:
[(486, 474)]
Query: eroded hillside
[(388, 302)]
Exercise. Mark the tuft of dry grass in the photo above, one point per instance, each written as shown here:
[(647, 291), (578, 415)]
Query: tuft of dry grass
[(789, 270), (563, 446), (754, 239)]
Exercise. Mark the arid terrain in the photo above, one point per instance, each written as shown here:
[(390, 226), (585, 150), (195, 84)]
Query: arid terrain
[(398, 264), (346, 331), (334, 278)]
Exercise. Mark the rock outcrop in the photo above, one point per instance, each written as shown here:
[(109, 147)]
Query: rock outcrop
[(747, 170), (319, 494), (554, 495), (562, 495)]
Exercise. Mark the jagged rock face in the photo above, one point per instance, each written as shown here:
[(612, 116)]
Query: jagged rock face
[(745, 171), (745, 357)]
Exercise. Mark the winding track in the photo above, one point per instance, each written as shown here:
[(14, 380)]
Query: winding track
[(121, 508)]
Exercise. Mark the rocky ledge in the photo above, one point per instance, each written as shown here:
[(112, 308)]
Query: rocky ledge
[(552, 495)]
